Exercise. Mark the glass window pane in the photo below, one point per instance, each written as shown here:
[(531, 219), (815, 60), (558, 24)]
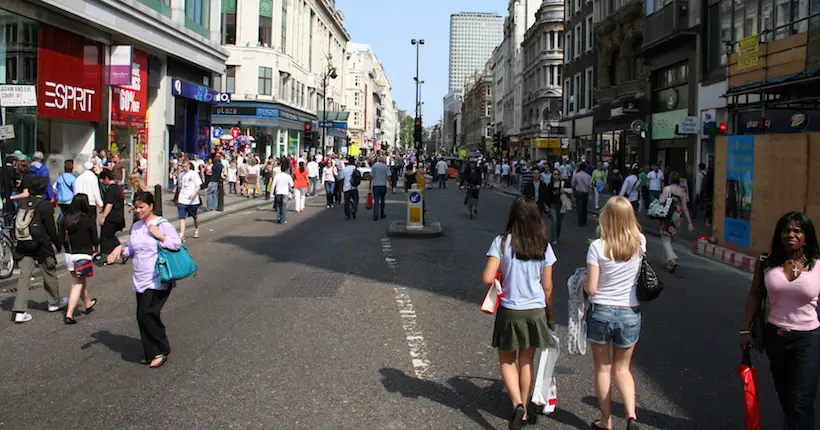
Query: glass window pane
[(782, 18), (740, 11)]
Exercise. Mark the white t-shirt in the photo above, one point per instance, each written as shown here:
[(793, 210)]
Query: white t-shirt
[(313, 169), (253, 169), (347, 174), (282, 183), (655, 180), (198, 165), (617, 284), (188, 184), (521, 280), (441, 167)]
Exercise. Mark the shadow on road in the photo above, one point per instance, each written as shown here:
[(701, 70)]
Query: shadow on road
[(645, 416), (129, 348)]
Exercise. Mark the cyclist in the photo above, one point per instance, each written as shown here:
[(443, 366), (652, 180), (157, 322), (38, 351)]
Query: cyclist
[(472, 179)]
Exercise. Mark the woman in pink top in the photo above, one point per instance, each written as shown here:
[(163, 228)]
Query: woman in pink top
[(790, 280), (147, 235)]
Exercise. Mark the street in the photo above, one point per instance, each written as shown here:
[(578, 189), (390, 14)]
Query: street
[(327, 323)]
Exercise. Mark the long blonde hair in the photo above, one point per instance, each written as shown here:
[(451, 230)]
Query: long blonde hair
[(619, 230), (135, 181)]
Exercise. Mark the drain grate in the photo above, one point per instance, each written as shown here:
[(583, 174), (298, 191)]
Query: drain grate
[(311, 284)]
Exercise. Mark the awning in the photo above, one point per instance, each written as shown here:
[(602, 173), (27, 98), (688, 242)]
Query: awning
[(332, 115)]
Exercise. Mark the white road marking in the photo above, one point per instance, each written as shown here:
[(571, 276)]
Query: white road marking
[(407, 314)]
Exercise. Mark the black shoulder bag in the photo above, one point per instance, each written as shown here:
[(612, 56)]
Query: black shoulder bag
[(649, 286)]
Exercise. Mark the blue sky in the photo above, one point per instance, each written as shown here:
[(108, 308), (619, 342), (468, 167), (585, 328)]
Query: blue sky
[(389, 25)]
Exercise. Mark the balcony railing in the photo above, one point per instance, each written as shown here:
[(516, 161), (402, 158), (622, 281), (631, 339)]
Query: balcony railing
[(671, 19)]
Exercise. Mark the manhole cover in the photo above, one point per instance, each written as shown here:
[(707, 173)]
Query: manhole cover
[(311, 284)]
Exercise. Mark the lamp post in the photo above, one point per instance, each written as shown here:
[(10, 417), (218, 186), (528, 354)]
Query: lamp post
[(418, 44), (330, 73)]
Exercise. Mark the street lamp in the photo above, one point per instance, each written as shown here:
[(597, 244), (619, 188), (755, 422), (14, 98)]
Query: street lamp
[(330, 73), (418, 44)]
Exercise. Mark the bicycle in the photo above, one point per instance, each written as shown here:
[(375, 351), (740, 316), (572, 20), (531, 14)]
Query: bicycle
[(472, 195), (6, 250)]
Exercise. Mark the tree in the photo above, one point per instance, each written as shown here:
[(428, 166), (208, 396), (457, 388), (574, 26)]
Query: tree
[(406, 132)]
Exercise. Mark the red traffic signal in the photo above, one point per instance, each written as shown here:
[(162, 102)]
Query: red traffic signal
[(308, 127), (418, 123), (722, 128)]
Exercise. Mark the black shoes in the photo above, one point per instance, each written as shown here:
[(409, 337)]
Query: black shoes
[(517, 419)]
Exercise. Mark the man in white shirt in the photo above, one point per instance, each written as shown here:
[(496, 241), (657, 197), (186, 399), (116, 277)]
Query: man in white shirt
[(631, 188), (282, 186), (188, 201), (351, 191), (655, 180), (88, 183), (313, 176), (441, 173)]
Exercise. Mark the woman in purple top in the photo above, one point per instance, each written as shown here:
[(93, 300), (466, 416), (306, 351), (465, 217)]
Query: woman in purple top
[(789, 278), (142, 248)]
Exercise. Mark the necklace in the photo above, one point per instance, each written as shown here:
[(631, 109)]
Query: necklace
[(795, 263)]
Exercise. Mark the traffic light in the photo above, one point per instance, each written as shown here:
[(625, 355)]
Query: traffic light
[(417, 133), (713, 129), (310, 135)]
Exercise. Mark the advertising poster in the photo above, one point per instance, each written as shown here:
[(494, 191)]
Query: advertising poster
[(740, 160)]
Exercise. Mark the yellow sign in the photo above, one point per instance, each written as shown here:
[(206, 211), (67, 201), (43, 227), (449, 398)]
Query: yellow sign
[(551, 143), (462, 153), (415, 214), (354, 150), (488, 144), (748, 52)]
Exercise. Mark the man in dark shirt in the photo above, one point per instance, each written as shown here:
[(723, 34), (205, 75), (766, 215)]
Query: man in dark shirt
[(113, 216), (212, 192), (118, 170)]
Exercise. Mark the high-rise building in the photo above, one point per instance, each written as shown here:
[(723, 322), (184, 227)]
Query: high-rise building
[(473, 36)]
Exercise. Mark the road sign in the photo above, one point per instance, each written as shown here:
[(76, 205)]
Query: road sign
[(18, 95), (217, 132), (6, 132), (415, 197), (235, 132), (415, 207)]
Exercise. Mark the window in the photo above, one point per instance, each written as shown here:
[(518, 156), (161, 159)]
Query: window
[(579, 92), (590, 35), (11, 69), (197, 16), (265, 81), (589, 84), (230, 79), (558, 72), (357, 80), (356, 119), (229, 22), (578, 40), (218, 83), (488, 110), (577, 6), (568, 47), (356, 99), (571, 91), (310, 41), (284, 41), (265, 30)]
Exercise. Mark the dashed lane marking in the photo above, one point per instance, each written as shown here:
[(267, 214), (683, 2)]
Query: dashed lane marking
[(409, 322)]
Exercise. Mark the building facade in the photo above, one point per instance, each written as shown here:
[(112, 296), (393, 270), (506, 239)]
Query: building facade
[(477, 111), (449, 126), (285, 70), (621, 103), (120, 76), (473, 36), (522, 16), (369, 101), (541, 101), (579, 76)]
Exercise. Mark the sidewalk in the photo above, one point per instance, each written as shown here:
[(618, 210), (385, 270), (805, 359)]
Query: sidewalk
[(649, 226), (233, 204)]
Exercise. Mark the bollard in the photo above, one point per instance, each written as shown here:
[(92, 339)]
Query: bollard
[(158, 200), (220, 196)]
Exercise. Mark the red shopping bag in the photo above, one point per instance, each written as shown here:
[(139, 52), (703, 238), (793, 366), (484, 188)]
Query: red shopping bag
[(748, 374), (369, 203)]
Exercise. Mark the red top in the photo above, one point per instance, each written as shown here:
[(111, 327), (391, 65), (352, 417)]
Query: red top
[(300, 179)]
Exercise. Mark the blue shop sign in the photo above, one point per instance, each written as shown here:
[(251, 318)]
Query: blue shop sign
[(267, 112), (192, 91), (779, 121), (341, 125)]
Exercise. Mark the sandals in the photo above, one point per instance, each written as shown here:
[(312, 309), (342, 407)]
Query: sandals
[(162, 359)]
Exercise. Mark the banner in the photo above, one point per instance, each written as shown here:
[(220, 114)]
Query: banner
[(129, 102), (740, 160), (119, 69)]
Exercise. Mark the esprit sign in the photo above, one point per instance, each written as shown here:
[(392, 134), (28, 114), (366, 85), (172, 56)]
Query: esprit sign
[(128, 103), (69, 76)]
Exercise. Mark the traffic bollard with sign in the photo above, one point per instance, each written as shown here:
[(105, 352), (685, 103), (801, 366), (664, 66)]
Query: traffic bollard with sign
[(415, 214)]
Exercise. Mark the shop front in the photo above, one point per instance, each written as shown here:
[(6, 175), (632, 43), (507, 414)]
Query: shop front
[(778, 121), (69, 99), (581, 138), (620, 132), (276, 130), (671, 146), (129, 102), (545, 148), (193, 104)]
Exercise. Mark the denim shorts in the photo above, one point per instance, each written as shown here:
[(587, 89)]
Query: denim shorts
[(184, 211), (612, 324)]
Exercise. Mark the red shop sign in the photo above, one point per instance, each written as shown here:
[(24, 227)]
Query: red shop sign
[(129, 102), (69, 76)]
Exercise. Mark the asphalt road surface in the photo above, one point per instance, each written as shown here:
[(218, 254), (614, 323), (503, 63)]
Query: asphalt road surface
[(326, 323)]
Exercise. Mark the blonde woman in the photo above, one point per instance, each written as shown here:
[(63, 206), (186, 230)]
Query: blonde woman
[(137, 189), (614, 316)]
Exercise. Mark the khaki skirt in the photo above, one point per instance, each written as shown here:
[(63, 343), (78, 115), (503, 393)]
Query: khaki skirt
[(516, 330)]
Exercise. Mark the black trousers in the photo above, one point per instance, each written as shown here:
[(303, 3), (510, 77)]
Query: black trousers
[(351, 202), (152, 330), (108, 236), (582, 201), (340, 184), (793, 357)]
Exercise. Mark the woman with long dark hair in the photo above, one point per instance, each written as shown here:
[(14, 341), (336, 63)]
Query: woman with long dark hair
[(524, 257), (789, 279), (149, 233), (80, 231), (300, 185)]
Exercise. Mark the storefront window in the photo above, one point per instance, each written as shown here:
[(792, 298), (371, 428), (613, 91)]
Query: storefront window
[(18, 45)]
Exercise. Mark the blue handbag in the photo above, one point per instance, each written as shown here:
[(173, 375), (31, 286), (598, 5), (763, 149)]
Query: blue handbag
[(174, 265)]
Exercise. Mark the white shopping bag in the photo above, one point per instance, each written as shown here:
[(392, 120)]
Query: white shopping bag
[(544, 389), (492, 299)]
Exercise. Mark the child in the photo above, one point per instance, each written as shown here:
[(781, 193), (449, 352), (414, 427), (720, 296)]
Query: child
[(232, 177)]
